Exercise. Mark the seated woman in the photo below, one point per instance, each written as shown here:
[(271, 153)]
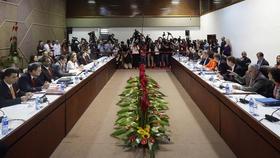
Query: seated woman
[(212, 65), (72, 64), (274, 75)]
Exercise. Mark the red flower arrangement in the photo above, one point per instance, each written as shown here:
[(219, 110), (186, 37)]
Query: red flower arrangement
[(143, 125)]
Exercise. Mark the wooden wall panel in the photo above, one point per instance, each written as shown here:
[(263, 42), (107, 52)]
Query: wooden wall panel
[(37, 20), (128, 8)]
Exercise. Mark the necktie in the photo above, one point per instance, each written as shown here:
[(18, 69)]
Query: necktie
[(12, 92), (50, 72), (33, 82)]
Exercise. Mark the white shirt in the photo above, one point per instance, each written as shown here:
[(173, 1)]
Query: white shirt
[(135, 50), (56, 49), (47, 47), (9, 85), (72, 66)]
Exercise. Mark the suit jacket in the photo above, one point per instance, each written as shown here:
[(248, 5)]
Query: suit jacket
[(238, 70), (204, 61), (82, 61), (25, 83), (47, 74), (222, 67), (260, 85), (59, 71), (6, 98), (263, 63), (244, 63)]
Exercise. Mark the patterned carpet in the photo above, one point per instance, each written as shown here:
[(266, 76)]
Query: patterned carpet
[(192, 135)]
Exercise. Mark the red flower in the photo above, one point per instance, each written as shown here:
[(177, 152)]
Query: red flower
[(132, 138), (144, 103), (144, 141), (152, 140)]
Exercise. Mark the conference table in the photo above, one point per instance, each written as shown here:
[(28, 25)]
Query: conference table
[(247, 134), (36, 132)]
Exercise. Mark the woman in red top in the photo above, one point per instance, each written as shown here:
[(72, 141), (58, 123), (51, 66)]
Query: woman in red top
[(213, 63)]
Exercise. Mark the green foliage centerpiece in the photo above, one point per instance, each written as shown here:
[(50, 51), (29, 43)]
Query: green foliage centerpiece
[(142, 121)]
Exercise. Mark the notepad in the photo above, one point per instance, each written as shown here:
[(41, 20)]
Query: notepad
[(268, 101)]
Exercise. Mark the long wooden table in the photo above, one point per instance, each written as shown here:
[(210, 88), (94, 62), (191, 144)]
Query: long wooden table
[(244, 135), (39, 136)]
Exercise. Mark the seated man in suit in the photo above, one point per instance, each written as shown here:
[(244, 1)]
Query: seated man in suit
[(234, 69), (47, 70), (83, 58), (30, 81), (255, 81), (9, 93), (204, 58), (222, 66), (59, 68)]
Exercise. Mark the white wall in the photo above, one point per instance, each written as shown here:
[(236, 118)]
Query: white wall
[(123, 33), (251, 25)]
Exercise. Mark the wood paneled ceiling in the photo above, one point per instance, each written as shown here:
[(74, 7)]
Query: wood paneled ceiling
[(138, 8), (207, 6)]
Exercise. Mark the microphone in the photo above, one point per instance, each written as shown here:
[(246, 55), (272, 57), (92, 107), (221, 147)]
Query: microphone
[(43, 99), (243, 100), (271, 118)]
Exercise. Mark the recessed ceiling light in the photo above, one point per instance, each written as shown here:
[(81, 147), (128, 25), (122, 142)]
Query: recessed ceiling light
[(175, 2), (91, 1), (216, 1)]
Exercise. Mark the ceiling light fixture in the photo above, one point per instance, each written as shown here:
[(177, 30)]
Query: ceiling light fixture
[(91, 1), (175, 2)]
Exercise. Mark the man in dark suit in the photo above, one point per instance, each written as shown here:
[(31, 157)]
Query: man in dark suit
[(9, 92), (222, 66), (59, 68), (204, 58), (30, 81), (82, 59), (244, 61), (47, 70), (261, 61), (255, 81), (234, 69)]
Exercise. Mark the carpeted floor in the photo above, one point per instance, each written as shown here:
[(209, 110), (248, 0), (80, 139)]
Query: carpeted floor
[(192, 135)]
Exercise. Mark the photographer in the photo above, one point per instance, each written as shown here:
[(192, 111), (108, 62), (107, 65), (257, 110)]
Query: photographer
[(75, 44)]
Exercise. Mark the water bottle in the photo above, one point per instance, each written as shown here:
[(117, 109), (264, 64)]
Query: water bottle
[(253, 107), (201, 72), (86, 72), (5, 125), (227, 88), (94, 66), (37, 103), (76, 79), (62, 86), (211, 78)]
